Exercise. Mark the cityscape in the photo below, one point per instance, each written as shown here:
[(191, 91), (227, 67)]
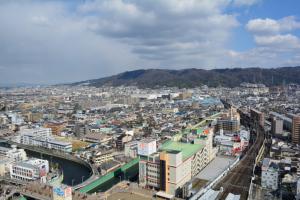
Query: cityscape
[(144, 100)]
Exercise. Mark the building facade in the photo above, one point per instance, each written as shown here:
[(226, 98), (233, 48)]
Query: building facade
[(257, 117), (269, 174), (175, 163), (277, 126), (296, 130), (30, 170), (42, 137)]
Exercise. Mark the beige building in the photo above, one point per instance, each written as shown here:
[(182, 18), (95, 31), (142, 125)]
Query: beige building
[(229, 121), (296, 129), (102, 157), (176, 163)]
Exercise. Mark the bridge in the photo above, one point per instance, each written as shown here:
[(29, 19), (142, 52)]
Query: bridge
[(109, 176), (204, 122)]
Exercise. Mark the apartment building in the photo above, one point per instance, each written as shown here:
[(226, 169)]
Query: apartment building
[(42, 137), (269, 174)]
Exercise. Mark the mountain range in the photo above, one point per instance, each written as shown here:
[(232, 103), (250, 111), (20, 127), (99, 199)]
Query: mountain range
[(228, 77)]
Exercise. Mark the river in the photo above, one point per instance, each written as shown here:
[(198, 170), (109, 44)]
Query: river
[(74, 172)]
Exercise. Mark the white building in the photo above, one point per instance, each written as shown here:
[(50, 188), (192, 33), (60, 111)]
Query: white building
[(30, 170), (42, 137), (15, 118), (13, 153), (33, 136), (131, 149), (269, 174), (146, 147)]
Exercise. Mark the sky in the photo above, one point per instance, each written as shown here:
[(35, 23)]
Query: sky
[(60, 41)]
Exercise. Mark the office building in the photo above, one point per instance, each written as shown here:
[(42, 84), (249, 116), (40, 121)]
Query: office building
[(175, 163), (277, 126), (257, 117), (296, 129), (287, 122)]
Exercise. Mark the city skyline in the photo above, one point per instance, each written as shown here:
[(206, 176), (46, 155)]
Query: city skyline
[(59, 41)]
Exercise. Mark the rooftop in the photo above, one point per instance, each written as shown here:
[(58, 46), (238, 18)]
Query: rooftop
[(187, 149)]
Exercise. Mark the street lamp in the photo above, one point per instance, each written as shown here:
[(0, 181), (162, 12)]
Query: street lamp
[(73, 182), (82, 179)]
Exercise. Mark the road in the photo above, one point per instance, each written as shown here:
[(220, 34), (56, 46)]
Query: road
[(238, 179)]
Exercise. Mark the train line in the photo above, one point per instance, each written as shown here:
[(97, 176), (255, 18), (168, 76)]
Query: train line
[(238, 180)]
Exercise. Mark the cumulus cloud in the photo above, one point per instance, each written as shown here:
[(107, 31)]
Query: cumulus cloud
[(245, 2), (287, 41), (164, 29), (275, 43), (271, 26)]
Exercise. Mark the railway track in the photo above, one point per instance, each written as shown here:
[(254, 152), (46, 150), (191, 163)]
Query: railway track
[(238, 180)]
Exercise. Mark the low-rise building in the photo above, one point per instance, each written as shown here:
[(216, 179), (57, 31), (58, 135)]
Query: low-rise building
[(42, 137), (131, 149), (102, 157), (269, 174), (13, 153), (30, 170)]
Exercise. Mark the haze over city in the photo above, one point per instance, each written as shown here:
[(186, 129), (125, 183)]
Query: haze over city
[(149, 99), (56, 41)]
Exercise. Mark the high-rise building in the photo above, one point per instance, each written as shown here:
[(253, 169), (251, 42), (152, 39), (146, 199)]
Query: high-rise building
[(276, 126), (296, 129), (257, 117)]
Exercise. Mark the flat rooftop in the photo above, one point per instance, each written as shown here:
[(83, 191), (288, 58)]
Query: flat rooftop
[(128, 196), (187, 149), (215, 168)]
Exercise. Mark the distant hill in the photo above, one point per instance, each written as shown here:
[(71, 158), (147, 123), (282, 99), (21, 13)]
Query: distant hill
[(232, 77)]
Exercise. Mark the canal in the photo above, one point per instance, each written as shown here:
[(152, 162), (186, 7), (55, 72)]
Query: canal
[(74, 173)]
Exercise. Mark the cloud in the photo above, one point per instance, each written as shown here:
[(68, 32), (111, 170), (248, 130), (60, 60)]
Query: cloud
[(58, 41), (287, 41), (162, 30), (245, 2), (43, 42), (275, 44), (271, 26)]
